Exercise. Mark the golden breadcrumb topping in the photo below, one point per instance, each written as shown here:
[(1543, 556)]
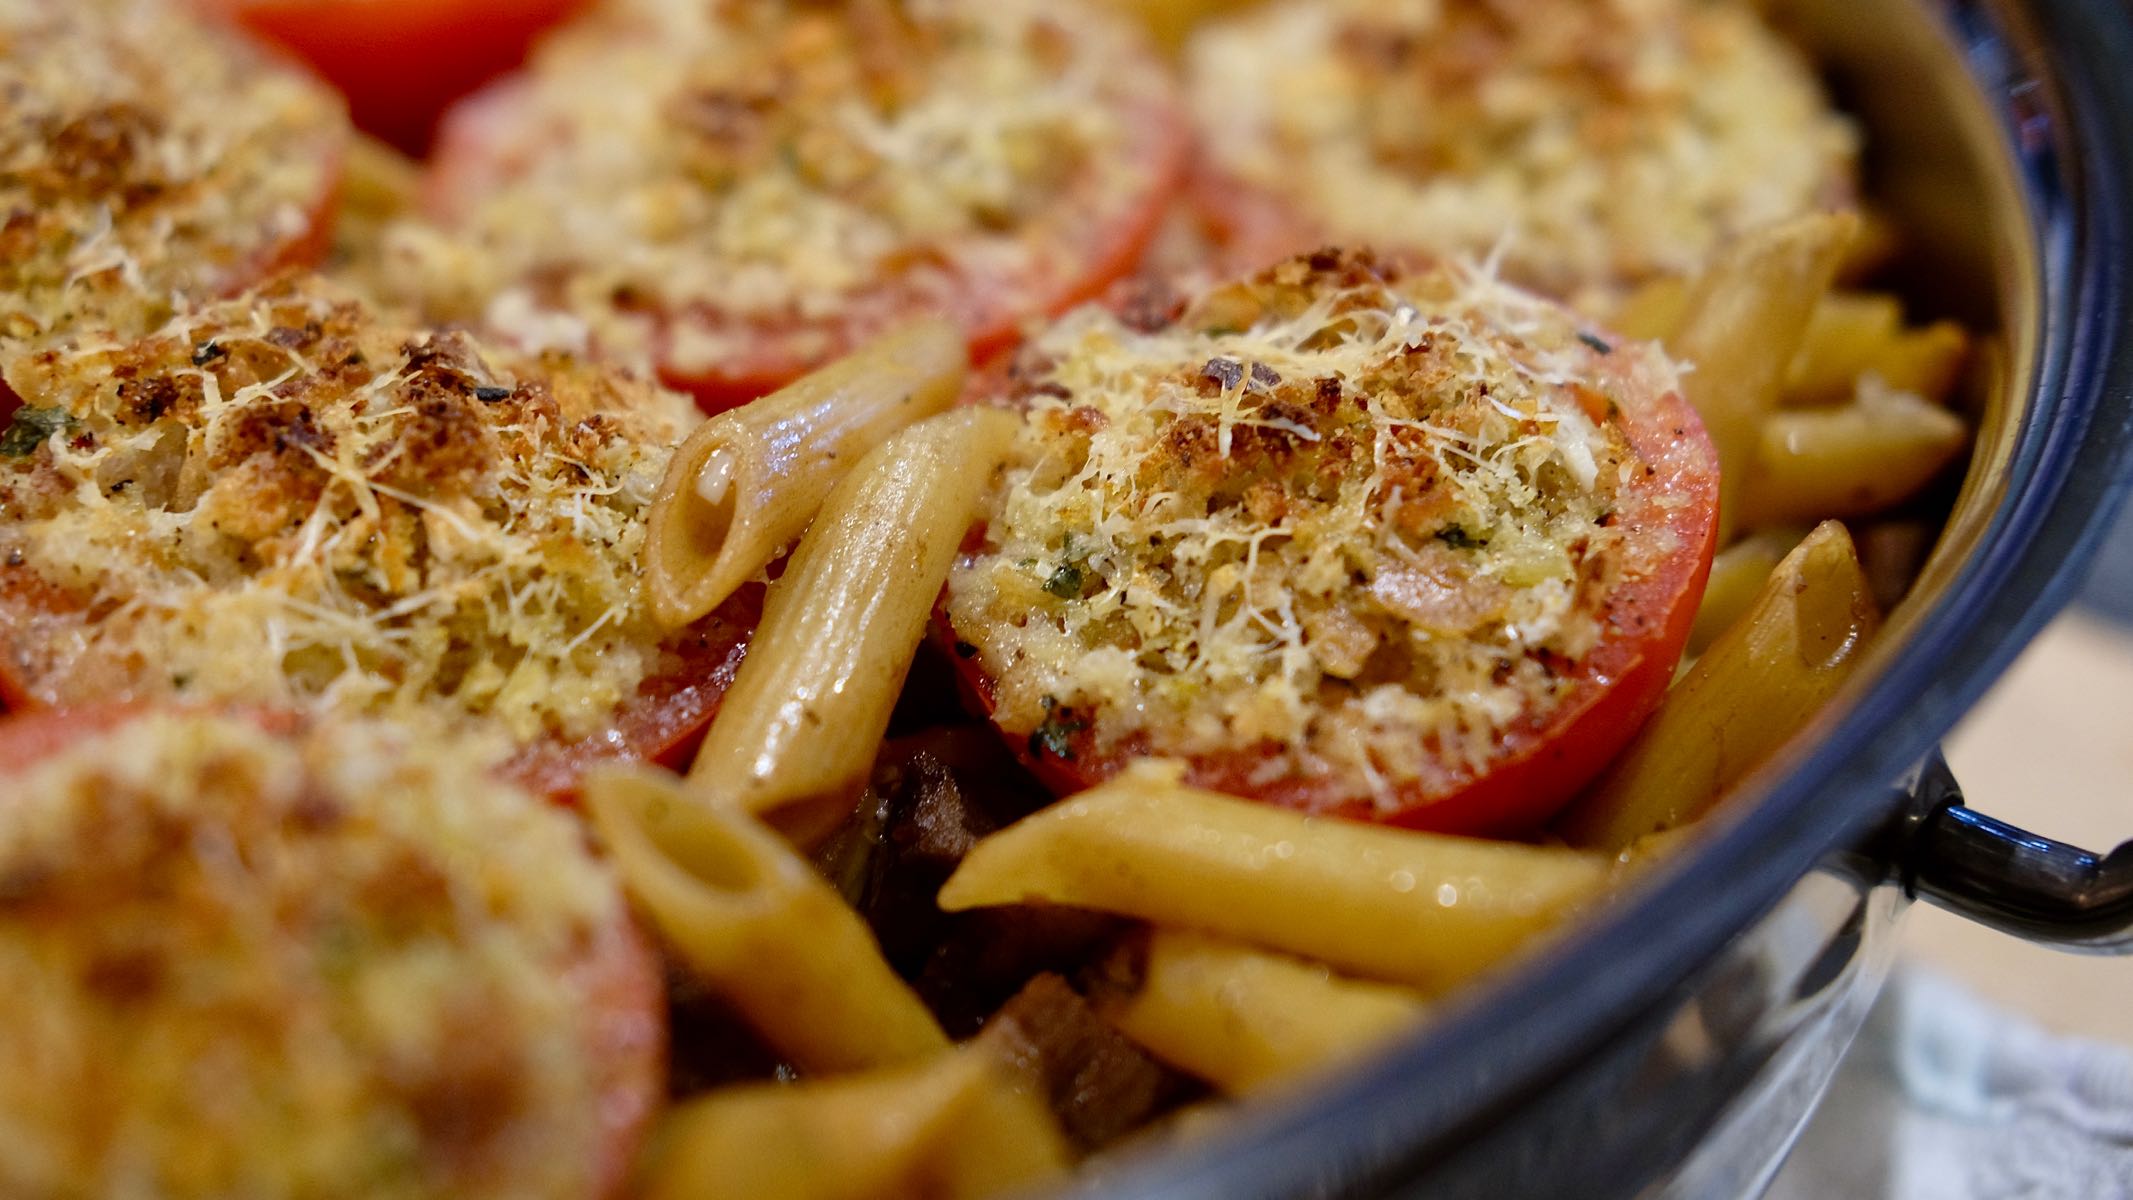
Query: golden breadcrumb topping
[(144, 154), (288, 499), (755, 164), (345, 963), (1345, 515), (1599, 141)]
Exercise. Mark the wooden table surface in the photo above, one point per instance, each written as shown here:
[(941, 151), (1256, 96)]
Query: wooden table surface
[(2049, 749)]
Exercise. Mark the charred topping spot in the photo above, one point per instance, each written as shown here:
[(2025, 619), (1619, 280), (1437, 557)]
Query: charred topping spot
[(1328, 393), (290, 337), (1227, 372), (1457, 537), (490, 395), (1151, 306), (147, 400), (208, 351), (1594, 342), (1265, 376)]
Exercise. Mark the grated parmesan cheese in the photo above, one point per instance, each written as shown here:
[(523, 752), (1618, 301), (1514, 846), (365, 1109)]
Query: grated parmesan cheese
[(755, 167), (146, 154), (289, 500), (1600, 142), (246, 965), (1341, 517)]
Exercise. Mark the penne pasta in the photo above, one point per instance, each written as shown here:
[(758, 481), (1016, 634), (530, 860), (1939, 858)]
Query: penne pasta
[(1846, 462), (1854, 335), (798, 730), (1006, 1141), (1738, 574), (953, 1129), (1842, 338), (1745, 317), (747, 482), (1750, 692), (1422, 909), (1926, 362), (1240, 1018), (746, 914), (1653, 312)]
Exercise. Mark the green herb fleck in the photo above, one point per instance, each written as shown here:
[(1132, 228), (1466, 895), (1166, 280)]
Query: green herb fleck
[(33, 427), (1458, 538), (1065, 582), (1595, 343), (1055, 736)]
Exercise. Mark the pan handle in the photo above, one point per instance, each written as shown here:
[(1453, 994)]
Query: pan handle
[(2013, 880)]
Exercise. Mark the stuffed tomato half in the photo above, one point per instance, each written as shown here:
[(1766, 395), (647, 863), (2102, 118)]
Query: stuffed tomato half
[(151, 157), (738, 193), (291, 501), (252, 955), (1397, 543)]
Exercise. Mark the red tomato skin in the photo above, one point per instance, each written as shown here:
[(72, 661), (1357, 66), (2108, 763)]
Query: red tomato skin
[(670, 714), (1249, 227), (401, 63), (1545, 761), (464, 166), (620, 971)]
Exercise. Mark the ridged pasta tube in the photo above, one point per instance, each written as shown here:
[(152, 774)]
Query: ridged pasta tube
[(750, 918), (747, 482), (797, 732), (1427, 910)]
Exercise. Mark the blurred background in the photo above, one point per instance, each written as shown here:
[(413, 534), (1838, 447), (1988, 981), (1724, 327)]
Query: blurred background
[(1992, 1067), (2051, 749)]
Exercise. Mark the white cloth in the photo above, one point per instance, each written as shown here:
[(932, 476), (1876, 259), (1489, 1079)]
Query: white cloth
[(1946, 1098)]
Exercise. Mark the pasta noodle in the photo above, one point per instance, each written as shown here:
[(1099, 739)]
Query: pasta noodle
[(1241, 1018), (799, 728), (946, 1129), (749, 480), (1422, 909), (1846, 462), (1738, 574), (1745, 318), (1749, 693), (1853, 335), (754, 921)]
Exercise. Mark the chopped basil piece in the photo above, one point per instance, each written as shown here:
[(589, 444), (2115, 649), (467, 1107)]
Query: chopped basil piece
[(1055, 736), (33, 427), (1065, 582)]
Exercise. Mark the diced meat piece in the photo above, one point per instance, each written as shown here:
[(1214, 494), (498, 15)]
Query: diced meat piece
[(1099, 1084)]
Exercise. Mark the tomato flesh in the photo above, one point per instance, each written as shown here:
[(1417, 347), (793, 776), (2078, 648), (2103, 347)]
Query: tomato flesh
[(401, 63)]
